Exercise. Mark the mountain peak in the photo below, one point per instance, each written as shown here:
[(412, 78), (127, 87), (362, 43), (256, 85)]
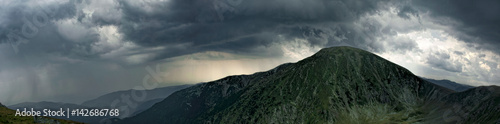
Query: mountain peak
[(336, 48), (327, 87), (340, 50), (347, 56)]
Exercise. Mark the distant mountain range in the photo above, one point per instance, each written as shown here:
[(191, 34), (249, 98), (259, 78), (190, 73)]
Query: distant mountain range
[(158, 93), (335, 85), (450, 84), (45, 105), (152, 96)]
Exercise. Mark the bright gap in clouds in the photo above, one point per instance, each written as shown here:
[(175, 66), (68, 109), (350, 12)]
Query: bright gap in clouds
[(213, 65)]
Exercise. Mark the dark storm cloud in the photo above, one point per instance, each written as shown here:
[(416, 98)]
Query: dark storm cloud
[(45, 38), (238, 27), (478, 20), (18, 14), (407, 11), (235, 26), (241, 26), (44, 29)]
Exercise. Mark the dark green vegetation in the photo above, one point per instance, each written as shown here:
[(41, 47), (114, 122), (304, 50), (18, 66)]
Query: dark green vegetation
[(7, 116), (335, 85), (146, 105), (476, 105)]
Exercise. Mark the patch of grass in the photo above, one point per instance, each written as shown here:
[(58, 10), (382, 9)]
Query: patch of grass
[(7, 116)]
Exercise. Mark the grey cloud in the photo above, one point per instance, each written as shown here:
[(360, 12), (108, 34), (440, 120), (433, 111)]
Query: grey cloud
[(106, 13), (221, 25), (401, 44), (458, 52), (443, 55), (492, 65), (442, 60), (59, 36), (19, 14), (482, 55), (240, 28), (407, 11), (477, 19)]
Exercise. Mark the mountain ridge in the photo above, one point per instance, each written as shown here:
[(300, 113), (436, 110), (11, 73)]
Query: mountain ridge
[(106, 99), (458, 87), (317, 89)]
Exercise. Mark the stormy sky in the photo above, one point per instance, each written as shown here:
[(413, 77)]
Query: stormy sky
[(71, 51)]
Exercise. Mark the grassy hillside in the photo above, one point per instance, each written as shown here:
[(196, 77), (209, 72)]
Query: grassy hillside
[(7, 117)]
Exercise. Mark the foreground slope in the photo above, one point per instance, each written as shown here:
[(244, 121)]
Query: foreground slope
[(335, 85), (476, 105)]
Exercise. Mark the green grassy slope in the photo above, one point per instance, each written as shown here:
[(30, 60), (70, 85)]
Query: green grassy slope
[(340, 84), (7, 117), (476, 105)]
